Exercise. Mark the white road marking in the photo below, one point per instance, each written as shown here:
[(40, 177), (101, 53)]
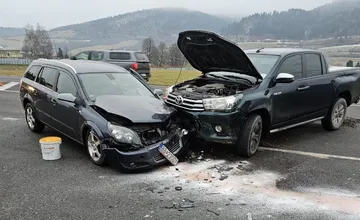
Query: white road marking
[(9, 119), (8, 85), (9, 91), (304, 153)]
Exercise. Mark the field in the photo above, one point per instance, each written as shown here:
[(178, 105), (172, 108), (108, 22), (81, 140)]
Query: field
[(163, 77), (12, 70)]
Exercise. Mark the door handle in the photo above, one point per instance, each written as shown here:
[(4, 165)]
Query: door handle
[(302, 88)]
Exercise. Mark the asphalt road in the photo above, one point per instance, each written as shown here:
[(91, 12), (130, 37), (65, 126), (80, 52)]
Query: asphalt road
[(302, 173)]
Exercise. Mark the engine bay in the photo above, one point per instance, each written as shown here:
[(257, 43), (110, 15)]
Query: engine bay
[(200, 89), (154, 133)]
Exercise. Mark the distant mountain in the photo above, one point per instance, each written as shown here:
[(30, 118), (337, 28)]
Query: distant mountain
[(10, 32), (162, 24), (337, 19)]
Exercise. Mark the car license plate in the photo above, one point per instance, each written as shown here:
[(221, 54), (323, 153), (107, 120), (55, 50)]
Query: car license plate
[(168, 155), (143, 74)]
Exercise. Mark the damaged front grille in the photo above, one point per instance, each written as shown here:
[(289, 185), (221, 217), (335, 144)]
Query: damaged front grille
[(187, 104)]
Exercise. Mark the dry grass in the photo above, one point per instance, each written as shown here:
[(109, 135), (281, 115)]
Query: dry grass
[(167, 77), (12, 70), (163, 77)]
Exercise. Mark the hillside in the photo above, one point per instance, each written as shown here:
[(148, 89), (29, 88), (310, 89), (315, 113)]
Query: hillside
[(337, 19), (162, 24), (9, 31)]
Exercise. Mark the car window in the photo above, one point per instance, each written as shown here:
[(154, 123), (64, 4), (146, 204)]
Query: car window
[(82, 56), (32, 72), (48, 77), (65, 84), (292, 65), (119, 56), (141, 57), (96, 55), (123, 83), (313, 65), (263, 63)]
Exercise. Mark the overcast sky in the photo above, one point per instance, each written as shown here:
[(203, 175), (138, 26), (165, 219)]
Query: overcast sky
[(54, 13)]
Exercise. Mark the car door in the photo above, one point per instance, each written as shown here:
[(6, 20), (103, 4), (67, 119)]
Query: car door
[(319, 92), (45, 94), (66, 115), (288, 99)]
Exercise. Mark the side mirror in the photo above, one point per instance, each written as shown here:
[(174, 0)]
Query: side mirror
[(67, 97), (158, 92), (285, 78)]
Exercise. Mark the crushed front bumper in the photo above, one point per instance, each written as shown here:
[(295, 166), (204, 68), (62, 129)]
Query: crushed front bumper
[(205, 123), (147, 157)]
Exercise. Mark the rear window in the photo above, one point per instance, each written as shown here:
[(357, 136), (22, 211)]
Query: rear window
[(32, 72), (48, 77), (141, 57), (119, 56)]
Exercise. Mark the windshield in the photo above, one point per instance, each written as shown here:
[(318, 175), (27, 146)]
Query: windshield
[(263, 63), (97, 84)]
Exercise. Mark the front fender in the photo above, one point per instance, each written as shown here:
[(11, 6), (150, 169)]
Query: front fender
[(91, 125)]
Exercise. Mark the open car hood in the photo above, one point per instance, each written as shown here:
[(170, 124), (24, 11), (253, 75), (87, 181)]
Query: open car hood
[(208, 52), (137, 109)]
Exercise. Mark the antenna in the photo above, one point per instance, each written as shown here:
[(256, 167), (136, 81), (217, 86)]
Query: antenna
[(259, 50), (182, 65)]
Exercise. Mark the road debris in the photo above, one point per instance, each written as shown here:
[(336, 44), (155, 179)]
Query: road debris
[(223, 177), (178, 188), (249, 216), (212, 211), (184, 204)]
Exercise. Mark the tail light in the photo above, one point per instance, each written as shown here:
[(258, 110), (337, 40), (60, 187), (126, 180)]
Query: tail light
[(134, 66)]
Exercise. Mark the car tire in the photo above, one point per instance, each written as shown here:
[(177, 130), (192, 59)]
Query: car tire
[(335, 116), (250, 136), (33, 123), (93, 146)]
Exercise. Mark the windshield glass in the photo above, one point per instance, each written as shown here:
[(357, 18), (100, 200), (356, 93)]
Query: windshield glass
[(263, 63), (97, 84)]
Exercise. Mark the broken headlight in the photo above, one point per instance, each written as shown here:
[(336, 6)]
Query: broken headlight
[(221, 104), (124, 135)]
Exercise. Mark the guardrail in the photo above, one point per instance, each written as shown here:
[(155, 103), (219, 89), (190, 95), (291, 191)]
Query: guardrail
[(15, 61)]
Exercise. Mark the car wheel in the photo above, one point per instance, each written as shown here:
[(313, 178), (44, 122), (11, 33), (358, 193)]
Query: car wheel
[(93, 145), (336, 115), (33, 123), (250, 136)]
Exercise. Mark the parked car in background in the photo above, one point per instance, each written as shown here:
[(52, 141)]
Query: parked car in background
[(113, 112), (242, 95), (135, 60)]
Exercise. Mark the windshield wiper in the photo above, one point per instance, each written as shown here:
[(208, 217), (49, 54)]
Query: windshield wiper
[(238, 77)]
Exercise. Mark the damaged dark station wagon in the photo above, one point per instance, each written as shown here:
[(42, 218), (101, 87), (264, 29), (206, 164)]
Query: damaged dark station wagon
[(110, 110), (242, 95)]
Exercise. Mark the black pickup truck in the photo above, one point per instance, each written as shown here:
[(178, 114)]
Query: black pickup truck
[(243, 95)]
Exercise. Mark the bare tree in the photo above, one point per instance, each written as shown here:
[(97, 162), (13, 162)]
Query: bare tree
[(147, 45), (37, 43), (162, 53), (176, 58)]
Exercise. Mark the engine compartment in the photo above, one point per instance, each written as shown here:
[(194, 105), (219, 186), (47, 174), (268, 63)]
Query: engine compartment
[(202, 88)]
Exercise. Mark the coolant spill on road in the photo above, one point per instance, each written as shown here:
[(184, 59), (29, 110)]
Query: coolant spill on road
[(261, 183)]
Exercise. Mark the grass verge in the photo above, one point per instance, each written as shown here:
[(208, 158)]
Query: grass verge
[(12, 70), (163, 77)]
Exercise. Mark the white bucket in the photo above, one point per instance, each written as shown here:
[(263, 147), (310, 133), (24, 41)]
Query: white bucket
[(50, 148)]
